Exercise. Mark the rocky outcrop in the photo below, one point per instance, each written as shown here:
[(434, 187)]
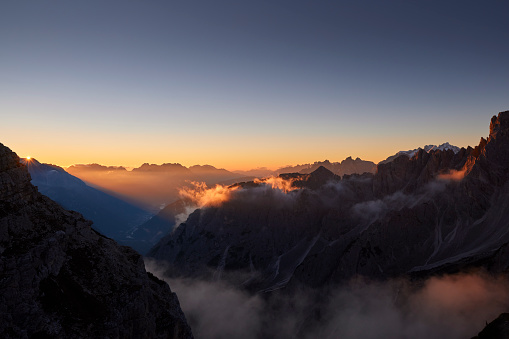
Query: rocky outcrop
[(497, 329), (61, 279), (407, 174), (428, 148)]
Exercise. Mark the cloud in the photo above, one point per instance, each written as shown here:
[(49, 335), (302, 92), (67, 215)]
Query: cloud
[(272, 188), (182, 217), (278, 183), (202, 196), (452, 306), (374, 209), (452, 175), (215, 309)]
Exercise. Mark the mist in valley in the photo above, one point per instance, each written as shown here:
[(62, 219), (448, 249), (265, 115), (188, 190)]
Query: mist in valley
[(149, 186), (448, 306)]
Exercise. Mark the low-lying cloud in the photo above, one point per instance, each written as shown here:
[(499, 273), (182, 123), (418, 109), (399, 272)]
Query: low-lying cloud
[(278, 183), (452, 306), (453, 175), (203, 196), (274, 191)]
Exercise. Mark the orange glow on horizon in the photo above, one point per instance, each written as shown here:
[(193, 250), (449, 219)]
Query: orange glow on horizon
[(246, 154)]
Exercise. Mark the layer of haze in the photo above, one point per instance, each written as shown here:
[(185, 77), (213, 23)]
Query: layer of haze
[(450, 306), (246, 84)]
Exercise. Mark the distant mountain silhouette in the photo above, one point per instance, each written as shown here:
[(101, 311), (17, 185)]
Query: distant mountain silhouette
[(151, 186), (347, 166), (97, 167), (166, 168), (111, 216), (261, 172)]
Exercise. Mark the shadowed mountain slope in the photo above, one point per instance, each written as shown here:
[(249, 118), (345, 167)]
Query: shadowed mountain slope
[(111, 216), (61, 279), (416, 215)]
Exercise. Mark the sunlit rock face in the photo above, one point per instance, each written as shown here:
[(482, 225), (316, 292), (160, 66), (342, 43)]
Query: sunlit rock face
[(441, 210), (61, 279)]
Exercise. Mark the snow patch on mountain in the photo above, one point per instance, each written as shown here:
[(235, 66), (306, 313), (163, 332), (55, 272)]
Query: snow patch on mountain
[(428, 148)]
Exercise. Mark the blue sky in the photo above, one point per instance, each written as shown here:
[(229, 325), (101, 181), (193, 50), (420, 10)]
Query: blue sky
[(241, 84)]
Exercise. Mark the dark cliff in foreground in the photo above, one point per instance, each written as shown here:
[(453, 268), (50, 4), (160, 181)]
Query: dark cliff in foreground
[(435, 212), (61, 279)]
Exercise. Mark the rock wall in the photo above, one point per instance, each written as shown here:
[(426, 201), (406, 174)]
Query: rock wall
[(61, 279)]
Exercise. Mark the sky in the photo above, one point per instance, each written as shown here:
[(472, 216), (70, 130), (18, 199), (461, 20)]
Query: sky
[(245, 84)]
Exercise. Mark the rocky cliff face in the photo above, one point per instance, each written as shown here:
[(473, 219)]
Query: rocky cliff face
[(61, 279), (432, 211)]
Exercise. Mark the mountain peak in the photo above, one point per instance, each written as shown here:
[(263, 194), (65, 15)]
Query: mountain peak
[(499, 124), (428, 148), (29, 161), (492, 153), (94, 168), (322, 171), (166, 167), (320, 177)]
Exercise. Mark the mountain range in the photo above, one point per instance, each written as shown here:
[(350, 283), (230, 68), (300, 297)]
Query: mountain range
[(116, 216), (435, 211), (347, 166), (112, 216), (428, 148), (418, 214), (149, 186)]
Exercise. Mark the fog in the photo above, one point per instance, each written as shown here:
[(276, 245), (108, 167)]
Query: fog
[(147, 190), (150, 186), (450, 306)]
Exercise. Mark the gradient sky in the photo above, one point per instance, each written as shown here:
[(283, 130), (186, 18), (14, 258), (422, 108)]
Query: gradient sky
[(242, 84)]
